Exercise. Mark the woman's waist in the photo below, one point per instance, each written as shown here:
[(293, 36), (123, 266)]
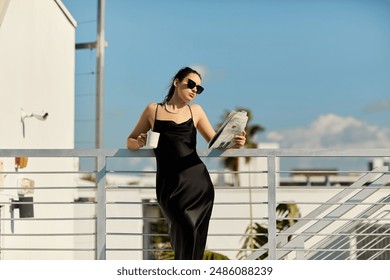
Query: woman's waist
[(182, 162)]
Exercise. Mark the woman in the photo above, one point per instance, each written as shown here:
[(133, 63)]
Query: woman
[(184, 190)]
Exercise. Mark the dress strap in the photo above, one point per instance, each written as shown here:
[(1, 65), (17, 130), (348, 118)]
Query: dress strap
[(155, 113), (192, 117)]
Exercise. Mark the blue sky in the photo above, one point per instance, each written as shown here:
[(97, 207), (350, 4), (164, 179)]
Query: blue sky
[(314, 73)]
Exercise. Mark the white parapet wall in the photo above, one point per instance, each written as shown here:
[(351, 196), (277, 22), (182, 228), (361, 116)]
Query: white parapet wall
[(37, 73)]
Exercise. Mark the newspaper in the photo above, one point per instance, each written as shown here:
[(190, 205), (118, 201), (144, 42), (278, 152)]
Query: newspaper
[(234, 125)]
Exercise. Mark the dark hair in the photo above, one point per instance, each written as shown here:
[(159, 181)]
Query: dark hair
[(180, 75)]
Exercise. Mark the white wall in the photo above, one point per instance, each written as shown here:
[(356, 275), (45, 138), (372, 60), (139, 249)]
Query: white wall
[(37, 72)]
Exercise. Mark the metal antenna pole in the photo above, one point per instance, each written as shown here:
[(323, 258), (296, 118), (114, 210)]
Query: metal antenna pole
[(99, 45)]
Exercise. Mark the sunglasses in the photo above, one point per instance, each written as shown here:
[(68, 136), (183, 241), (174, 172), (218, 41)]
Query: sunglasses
[(191, 84)]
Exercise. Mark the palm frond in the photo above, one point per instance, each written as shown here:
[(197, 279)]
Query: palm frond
[(210, 255), (288, 214), (256, 237)]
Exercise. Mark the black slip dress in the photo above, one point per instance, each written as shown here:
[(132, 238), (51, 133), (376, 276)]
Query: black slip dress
[(183, 187)]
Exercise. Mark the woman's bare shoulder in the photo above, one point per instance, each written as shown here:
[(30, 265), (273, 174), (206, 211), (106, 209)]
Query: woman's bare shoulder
[(196, 108), (151, 107), (198, 113)]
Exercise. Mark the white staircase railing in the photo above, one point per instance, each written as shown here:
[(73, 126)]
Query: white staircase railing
[(377, 178)]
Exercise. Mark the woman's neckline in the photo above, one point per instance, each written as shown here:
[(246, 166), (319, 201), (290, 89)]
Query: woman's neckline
[(174, 113), (172, 121)]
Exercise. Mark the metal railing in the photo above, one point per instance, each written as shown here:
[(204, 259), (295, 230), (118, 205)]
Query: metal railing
[(93, 213)]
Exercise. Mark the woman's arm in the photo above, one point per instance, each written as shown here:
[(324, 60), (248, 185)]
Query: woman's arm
[(137, 137), (202, 123)]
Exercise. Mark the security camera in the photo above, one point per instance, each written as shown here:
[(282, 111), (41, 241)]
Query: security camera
[(41, 116)]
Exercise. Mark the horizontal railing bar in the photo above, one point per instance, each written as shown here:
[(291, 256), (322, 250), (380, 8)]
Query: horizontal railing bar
[(49, 203), (352, 234), (52, 188), (136, 250), (48, 249), (131, 171), (169, 250), (215, 203), (210, 171), (48, 219), (166, 235), (255, 218), (237, 250), (338, 219), (233, 188), (164, 250), (331, 187), (121, 187), (134, 172), (46, 172), (130, 187), (319, 173), (326, 172), (338, 203), (136, 234), (52, 202), (241, 203), (347, 152), (332, 250), (308, 171), (134, 218), (47, 234), (212, 218), (257, 234)]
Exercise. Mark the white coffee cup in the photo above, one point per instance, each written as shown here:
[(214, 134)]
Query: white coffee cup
[(152, 139)]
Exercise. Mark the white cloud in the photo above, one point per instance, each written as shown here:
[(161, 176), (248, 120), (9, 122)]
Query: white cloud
[(333, 131), (377, 106), (202, 70)]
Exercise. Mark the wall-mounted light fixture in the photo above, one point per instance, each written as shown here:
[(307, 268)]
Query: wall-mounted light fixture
[(25, 204), (39, 116)]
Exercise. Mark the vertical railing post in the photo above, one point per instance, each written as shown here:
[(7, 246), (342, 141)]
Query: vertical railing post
[(271, 164), (101, 206)]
